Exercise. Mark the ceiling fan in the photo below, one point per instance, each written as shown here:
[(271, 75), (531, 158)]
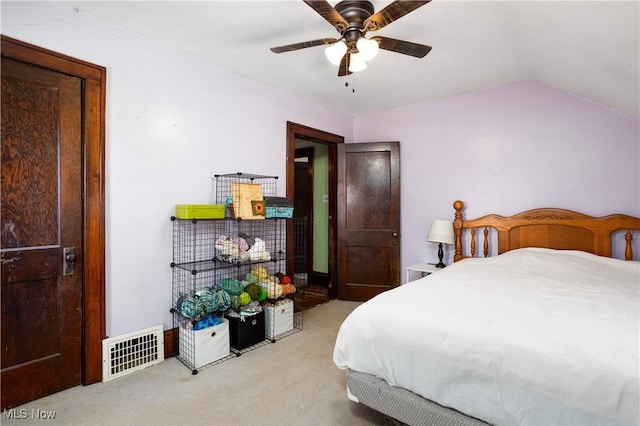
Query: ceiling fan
[(353, 19)]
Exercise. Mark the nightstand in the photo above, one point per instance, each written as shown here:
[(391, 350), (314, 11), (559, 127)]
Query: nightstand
[(423, 267)]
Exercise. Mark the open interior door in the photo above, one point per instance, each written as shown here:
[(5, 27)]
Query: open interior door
[(368, 219)]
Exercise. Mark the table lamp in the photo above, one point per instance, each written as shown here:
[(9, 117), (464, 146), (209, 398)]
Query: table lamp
[(441, 231)]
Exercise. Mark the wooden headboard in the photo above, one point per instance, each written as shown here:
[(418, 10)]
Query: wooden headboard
[(547, 227)]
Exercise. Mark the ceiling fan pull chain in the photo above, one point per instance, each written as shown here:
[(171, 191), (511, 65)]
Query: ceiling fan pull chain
[(353, 83)]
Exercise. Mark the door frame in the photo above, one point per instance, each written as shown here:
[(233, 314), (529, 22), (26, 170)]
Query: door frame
[(93, 180), (299, 131)]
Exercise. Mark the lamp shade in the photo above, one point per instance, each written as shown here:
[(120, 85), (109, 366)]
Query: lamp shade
[(356, 63), (335, 52), (441, 231), (367, 48)]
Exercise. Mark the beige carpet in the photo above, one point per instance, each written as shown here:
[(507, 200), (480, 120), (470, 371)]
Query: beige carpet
[(291, 382)]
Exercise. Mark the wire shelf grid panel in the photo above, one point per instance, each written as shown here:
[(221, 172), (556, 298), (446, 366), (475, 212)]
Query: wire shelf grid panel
[(224, 190), (194, 240), (186, 282)]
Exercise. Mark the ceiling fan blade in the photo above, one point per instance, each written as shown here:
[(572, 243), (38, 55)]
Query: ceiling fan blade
[(392, 12), (401, 46), (303, 45), (344, 66), (327, 11)]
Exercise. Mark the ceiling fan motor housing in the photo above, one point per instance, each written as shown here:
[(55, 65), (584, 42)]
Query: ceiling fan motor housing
[(355, 12)]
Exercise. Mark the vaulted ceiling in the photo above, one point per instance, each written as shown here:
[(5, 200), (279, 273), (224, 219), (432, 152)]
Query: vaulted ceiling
[(589, 48)]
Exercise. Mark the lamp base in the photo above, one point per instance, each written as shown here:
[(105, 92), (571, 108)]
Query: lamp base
[(440, 255)]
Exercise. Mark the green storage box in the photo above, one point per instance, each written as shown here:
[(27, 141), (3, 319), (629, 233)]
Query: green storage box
[(200, 211)]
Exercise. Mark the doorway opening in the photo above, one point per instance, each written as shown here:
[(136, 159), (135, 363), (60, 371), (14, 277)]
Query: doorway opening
[(312, 185), (303, 210)]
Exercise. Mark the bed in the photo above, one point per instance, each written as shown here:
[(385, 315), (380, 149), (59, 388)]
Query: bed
[(541, 329)]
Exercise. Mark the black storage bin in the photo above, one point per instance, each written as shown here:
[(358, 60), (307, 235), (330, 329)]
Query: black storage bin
[(247, 330)]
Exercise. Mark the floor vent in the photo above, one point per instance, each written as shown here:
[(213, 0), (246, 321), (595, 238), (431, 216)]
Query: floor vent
[(122, 355)]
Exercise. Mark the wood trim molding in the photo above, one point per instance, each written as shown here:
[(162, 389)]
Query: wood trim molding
[(299, 131), (94, 95), (171, 342)]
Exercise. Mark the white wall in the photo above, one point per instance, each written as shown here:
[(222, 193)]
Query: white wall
[(173, 121), (505, 150)]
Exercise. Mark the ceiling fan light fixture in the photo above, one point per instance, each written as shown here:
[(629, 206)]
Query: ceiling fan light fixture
[(367, 48), (353, 19), (356, 63), (335, 52)]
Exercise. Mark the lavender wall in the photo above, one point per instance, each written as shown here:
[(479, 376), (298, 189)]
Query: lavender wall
[(173, 121), (504, 150)]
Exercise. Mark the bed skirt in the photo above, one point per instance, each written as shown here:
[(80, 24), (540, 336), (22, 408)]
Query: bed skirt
[(401, 404)]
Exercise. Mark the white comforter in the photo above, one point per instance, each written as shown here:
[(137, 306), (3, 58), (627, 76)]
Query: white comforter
[(533, 336)]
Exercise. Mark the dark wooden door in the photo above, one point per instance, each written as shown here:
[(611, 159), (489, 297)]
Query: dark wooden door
[(368, 219), (41, 210)]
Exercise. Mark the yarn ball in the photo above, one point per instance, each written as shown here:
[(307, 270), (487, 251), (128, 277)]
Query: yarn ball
[(224, 300), (208, 321), (263, 294), (260, 272), (231, 286), (273, 290), (288, 289), (187, 306), (208, 300), (254, 291), (235, 302), (252, 278), (285, 279), (244, 298), (258, 251)]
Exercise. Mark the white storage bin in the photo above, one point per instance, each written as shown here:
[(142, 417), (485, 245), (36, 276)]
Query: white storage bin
[(278, 319), (204, 346)]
